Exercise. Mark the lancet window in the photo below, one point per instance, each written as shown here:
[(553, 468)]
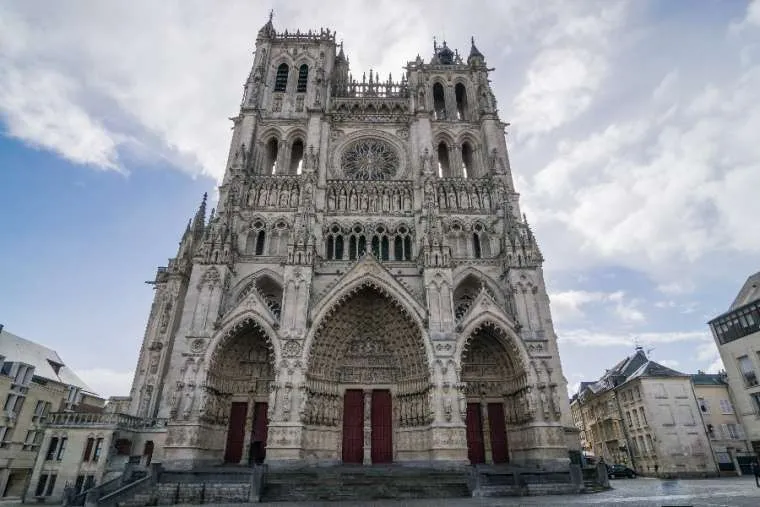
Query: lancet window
[(444, 167), (439, 102), (468, 157), (272, 151), (481, 247), (385, 245), (281, 78), (256, 239), (296, 157), (303, 78), (460, 93)]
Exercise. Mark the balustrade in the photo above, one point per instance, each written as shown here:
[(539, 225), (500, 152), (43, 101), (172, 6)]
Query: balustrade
[(88, 419)]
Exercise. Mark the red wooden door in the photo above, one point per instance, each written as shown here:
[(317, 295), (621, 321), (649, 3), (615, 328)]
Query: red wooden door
[(382, 427), (260, 432), (353, 426), (498, 433), (236, 432), (475, 450)]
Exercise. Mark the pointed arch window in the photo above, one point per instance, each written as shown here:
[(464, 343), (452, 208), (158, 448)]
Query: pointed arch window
[(303, 78), (467, 160), (260, 240), (272, 152), (296, 157), (476, 250), (439, 102), (281, 79), (444, 170), (460, 92)]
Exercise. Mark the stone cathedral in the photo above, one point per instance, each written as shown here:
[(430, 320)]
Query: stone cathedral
[(367, 289)]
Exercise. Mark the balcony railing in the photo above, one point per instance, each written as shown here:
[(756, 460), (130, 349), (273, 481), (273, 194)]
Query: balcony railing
[(86, 419)]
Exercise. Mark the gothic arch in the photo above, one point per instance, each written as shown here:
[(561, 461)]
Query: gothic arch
[(460, 275), (356, 279), (247, 319), (294, 134), (493, 320), (445, 138)]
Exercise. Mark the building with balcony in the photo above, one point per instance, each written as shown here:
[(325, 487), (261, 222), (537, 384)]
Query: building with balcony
[(34, 383), (645, 415), (725, 432), (737, 335)]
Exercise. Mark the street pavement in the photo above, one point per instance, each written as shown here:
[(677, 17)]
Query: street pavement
[(641, 492)]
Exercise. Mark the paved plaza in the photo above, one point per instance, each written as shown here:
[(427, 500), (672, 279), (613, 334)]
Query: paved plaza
[(641, 492)]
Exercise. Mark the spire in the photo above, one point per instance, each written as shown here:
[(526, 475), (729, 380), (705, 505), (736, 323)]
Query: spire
[(199, 222), (341, 54), (267, 31), (476, 57)]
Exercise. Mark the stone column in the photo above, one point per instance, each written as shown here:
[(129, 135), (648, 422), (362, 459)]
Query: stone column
[(248, 431), (367, 427), (486, 431)]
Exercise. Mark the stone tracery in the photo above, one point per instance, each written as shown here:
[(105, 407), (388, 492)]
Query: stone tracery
[(370, 159)]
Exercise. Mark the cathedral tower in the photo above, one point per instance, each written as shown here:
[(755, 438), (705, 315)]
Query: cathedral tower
[(366, 290)]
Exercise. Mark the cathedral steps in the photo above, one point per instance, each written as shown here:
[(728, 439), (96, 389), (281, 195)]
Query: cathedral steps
[(358, 483)]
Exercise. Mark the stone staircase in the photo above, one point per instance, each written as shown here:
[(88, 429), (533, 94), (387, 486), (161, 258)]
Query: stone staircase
[(363, 483)]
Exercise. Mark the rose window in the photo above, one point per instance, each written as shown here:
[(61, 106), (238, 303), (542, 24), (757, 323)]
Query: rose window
[(370, 159)]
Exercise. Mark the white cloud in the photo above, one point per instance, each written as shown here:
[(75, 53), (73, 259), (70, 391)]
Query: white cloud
[(590, 338), (38, 107), (564, 76), (670, 363), (107, 382), (559, 87), (573, 305), (569, 304)]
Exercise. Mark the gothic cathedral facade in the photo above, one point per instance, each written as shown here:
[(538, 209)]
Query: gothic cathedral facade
[(367, 289)]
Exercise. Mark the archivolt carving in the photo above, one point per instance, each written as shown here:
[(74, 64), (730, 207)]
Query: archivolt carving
[(242, 362), (493, 333), (367, 272), (368, 339)]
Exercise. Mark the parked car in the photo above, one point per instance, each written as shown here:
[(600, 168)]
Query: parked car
[(616, 470)]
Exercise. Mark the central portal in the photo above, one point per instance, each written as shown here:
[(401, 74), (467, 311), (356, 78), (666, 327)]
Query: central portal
[(356, 428), (367, 384)]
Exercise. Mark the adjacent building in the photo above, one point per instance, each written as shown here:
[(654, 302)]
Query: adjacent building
[(34, 383), (644, 415), (737, 334), (721, 423)]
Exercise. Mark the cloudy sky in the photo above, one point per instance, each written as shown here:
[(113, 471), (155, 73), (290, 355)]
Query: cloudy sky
[(635, 142)]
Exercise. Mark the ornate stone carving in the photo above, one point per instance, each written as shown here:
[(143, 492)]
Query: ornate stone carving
[(370, 159), (291, 348)]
